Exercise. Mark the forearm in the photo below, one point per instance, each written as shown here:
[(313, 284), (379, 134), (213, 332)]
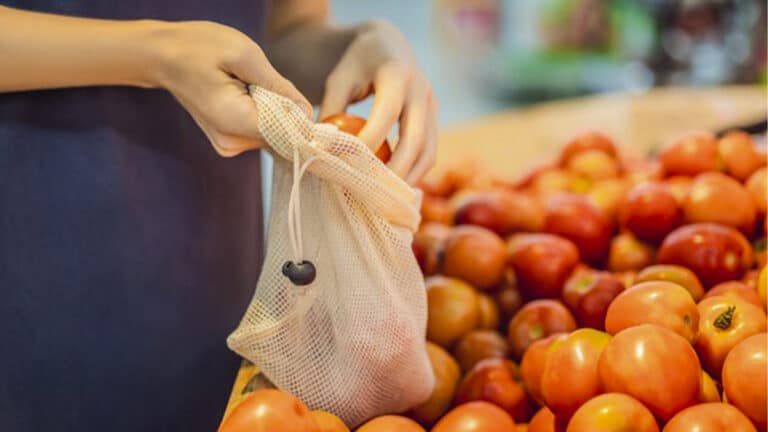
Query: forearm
[(49, 51)]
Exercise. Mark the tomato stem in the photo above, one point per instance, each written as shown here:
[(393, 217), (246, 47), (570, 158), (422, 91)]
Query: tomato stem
[(724, 320)]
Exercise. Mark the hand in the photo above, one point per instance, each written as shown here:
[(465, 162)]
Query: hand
[(379, 60), (208, 67)]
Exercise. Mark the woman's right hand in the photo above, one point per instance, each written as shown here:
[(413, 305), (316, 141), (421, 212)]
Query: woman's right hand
[(208, 67)]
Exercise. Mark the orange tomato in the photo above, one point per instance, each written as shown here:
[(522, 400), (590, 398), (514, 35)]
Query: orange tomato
[(327, 422), (587, 141), (739, 155), (545, 421), (476, 416), (691, 154), (532, 365), (744, 377), (717, 198), (353, 124), (489, 313), (479, 345), (710, 417), (757, 184), (476, 255), (453, 309), (725, 321), (494, 380), (709, 391), (738, 289), (662, 303), (269, 410), (436, 209), (570, 375), (673, 273), (536, 320), (612, 412), (654, 365), (390, 423), (447, 376)]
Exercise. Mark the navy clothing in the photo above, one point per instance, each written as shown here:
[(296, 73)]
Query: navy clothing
[(128, 249)]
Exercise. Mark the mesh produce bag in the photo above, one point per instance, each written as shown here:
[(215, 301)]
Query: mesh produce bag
[(352, 341)]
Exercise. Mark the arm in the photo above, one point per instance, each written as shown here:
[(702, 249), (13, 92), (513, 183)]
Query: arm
[(206, 66)]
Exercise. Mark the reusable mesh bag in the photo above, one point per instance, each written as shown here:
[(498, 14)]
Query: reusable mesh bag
[(353, 341)]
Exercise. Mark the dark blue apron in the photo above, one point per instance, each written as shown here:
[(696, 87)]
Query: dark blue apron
[(128, 248)]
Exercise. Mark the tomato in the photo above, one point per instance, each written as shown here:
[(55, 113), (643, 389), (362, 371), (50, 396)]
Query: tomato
[(327, 422), (673, 273), (508, 297), (762, 286), (744, 378), (447, 374), (738, 289), (436, 209), (627, 253), (593, 164), (352, 124), (570, 375), (476, 255), (586, 141), (654, 365), (553, 181), (708, 391), (717, 198), (535, 320), (532, 365), (575, 218), (691, 154), (710, 417), (453, 309), (521, 427), (715, 253), (478, 416), (499, 210), (679, 186), (607, 195), (489, 313), (390, 423), (649, 211), (757, 185), (428, 244), (478, 345), (269, 410), (612, 412), (662, 303), (739, 156), (542, 263), (725, 321), (545, 421), (493, 380), (588, 294), (441, 185)]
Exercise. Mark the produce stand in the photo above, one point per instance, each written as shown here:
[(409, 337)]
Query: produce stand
[(508, 143)]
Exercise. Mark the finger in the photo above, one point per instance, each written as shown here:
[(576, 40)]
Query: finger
[(412, 133), (254, 68), (429, 151), (338, 91), (390, 87)]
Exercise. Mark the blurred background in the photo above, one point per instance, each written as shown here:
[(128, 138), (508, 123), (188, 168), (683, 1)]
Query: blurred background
[(488, 55)]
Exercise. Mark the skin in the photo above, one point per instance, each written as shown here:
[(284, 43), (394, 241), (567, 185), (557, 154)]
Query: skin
[(207, 66)]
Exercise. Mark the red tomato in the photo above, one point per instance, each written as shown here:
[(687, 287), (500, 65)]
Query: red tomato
[(662, 303), (591, 140), (269, 410), (570, 375), (649, 211), (725, 321), (673, 273), (500, 210), (352, 124), (532, 365), (739, 155), (744, 378), (544, 421), (479, 345), (691, 154), (627, 253), (572, 216), (428, 245), (389, 423), (542, 263), (476, 255), (612, 412), (588, 294), (738, 289), (654, 365), (710, 417), (476, 416), (536, 320), (717, 198), (715, 253), (493, 380)]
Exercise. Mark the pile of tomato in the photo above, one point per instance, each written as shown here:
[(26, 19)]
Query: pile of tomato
[(602, 292)]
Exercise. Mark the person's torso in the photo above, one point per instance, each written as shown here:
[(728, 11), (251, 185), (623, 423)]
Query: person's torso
[(128, 248)]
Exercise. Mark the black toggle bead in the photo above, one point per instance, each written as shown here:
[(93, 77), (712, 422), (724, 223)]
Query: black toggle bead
[(302, 273)]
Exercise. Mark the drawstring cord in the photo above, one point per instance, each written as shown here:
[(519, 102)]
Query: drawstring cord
[(300, 271)]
